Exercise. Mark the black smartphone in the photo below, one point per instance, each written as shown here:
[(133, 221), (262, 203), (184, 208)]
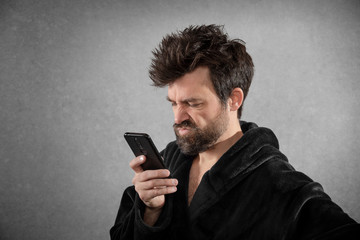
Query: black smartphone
[(141, 144)]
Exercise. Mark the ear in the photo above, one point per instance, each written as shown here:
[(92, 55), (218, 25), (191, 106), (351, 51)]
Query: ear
[(236, 99)]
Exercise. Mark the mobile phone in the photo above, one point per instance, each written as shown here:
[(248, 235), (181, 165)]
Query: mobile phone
[(141, 144)]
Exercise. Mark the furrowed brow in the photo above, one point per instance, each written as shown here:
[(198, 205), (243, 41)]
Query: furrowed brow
[(192, 100), (188, 100)]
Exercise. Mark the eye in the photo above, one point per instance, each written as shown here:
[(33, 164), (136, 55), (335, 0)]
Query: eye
[(194, 105)]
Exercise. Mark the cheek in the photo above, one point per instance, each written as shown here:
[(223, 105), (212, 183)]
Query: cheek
[(202, 118)]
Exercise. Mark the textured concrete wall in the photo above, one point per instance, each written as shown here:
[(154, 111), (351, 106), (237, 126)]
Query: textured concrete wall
[(73, 79)]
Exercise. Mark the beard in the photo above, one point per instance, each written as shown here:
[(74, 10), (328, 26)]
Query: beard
[(199, 140)]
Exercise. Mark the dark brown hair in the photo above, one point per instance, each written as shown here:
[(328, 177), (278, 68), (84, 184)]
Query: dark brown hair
[(205, 45)]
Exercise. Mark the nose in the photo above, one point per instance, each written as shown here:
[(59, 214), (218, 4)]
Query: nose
[(180, 115)]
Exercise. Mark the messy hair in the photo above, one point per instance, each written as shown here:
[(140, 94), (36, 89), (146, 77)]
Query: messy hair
[(208, 46)]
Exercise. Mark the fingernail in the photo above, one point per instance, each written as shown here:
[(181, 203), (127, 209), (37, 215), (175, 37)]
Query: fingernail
[(142, 158), (175, 182)]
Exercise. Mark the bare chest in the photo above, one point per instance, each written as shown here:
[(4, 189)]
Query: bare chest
[(195, 176), (194, 182)]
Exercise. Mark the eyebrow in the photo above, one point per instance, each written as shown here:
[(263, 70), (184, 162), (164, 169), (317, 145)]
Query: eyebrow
[(185, 100)]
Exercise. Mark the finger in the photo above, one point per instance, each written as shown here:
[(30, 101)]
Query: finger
[(135, 164), (157, 184), (153, 174), (161, 191), (153, 178), (150, 194)]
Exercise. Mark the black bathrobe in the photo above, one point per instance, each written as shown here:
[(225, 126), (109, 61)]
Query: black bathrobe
[(252, 192)]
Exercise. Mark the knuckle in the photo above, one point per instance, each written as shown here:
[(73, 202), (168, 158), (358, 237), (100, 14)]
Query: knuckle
[(151, 184), (144, 176), (145, 196), (156, 192), (161, 182), (135, 179), (168, 182), (138, 187), (139, 176), (151, 174), (159, 174)]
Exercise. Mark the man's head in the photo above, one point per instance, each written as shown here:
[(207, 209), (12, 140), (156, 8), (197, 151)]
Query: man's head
[(200, 117), (206, 46)]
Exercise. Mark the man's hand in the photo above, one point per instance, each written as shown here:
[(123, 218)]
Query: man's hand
[(152, 185)]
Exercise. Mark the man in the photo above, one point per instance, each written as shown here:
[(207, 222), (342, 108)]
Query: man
[(228, 178)]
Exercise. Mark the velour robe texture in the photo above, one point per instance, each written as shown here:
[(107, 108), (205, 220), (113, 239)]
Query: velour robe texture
[(252, 192)]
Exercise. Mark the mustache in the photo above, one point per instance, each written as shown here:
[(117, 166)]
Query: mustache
[(186, 123)]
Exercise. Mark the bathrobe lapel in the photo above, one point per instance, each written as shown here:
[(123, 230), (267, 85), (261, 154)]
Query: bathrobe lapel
[(232, 168)]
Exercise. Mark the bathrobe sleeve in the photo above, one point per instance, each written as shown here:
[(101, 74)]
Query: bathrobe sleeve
[(129, 222)]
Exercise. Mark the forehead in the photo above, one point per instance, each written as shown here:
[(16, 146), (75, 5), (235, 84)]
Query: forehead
[(196, 84)]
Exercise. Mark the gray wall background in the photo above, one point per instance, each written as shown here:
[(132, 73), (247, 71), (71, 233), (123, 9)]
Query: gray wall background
[(74, 78)]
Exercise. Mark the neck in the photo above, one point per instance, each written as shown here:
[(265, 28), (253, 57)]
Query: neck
[(228, 139)]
